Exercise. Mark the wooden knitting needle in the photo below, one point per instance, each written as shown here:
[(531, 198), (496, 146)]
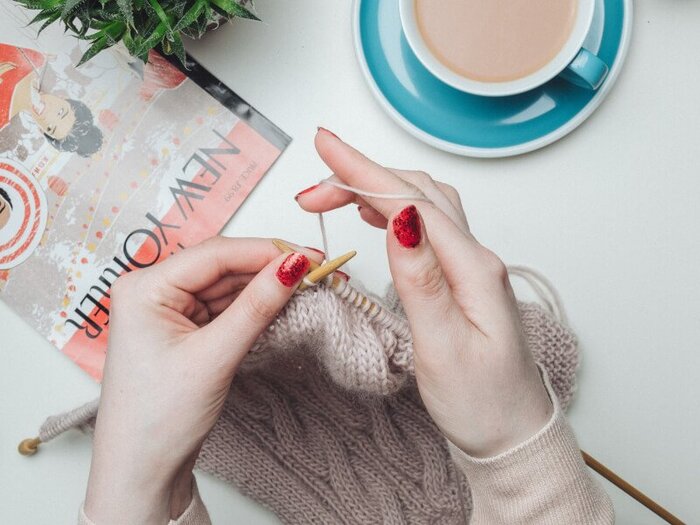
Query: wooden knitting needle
[(286, 248), (326, 269), (365, 302), (630, 490), (29, 447)]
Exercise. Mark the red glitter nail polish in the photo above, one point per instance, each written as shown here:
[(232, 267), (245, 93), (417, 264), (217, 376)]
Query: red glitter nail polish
[(407, 228), (292, 269), (307, 190), (329, 132)]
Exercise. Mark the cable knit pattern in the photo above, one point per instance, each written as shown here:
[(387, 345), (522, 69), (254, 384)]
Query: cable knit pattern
[(314, 453), (366, 452)]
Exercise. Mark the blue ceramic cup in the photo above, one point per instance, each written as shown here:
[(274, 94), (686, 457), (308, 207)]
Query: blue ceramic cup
[(573, 63)]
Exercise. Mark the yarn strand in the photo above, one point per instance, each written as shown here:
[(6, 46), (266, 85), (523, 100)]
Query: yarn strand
[(375, 195), (364, 193)]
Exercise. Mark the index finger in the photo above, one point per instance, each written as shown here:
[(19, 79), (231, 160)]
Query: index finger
[(195, 269), (464, 261), (358, 171)]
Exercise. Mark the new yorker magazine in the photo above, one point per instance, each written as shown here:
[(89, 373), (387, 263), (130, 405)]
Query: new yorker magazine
[(106, 169)]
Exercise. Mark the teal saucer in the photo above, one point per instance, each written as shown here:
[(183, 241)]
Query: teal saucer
[(472, 125)]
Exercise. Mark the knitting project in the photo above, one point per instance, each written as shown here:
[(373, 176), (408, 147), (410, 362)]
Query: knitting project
[(324, 423)]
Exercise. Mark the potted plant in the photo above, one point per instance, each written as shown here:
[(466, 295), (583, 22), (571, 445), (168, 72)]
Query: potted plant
[(140, 25)]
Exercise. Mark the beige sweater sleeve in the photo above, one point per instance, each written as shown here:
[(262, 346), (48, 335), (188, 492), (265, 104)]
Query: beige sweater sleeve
[(541, 481), (195, 514)]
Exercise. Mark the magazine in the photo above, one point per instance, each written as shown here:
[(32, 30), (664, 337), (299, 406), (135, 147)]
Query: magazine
[(106, 169)]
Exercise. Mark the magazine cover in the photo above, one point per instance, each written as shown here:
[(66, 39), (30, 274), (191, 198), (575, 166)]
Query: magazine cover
[(106, 169)]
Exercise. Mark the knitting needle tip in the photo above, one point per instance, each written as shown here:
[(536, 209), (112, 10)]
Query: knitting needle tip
[(282, 246), (326, 269)]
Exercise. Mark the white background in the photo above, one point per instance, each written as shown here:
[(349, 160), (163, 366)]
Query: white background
[(610, 214)]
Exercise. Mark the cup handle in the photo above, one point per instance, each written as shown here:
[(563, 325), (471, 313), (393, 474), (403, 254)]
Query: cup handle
[(586, 70)]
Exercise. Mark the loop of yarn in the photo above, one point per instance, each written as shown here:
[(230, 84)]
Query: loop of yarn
[(364, 193)]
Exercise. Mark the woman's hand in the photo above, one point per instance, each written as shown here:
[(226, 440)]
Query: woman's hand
[(475, 372), (177, 333)]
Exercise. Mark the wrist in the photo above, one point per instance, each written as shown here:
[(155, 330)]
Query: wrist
[(523, 417), (127, 489)]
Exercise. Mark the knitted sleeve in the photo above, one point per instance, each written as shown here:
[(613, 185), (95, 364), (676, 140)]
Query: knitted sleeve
[(195, 514), (543, 480)]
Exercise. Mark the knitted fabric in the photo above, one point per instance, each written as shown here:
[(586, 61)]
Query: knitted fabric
[(324, 423)]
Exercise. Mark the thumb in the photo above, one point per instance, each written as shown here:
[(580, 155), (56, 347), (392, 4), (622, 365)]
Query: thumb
[(235, 330)]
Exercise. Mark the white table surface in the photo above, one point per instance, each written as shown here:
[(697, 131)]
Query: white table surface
[(611, 214)]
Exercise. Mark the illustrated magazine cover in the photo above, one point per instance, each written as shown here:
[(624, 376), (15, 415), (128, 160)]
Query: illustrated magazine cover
[(108, 168)]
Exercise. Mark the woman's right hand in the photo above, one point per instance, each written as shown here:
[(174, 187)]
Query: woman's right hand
[(475, 373)]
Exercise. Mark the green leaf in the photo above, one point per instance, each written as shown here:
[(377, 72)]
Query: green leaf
[(115, 31), (126, 8), (80, 31), (178, 48), (153, 40), (179, 7), (48, 22), (39, 4), (47, 13), (95, 48), (190, 16), (129, 42), (99, 24), (141, 24), (69, 6), (234, 9), (161, 13)]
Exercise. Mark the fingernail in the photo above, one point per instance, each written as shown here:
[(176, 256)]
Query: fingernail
[(307, 190), (320, 252), (292, 269), (407, 228), (343, 275), (328, 131)]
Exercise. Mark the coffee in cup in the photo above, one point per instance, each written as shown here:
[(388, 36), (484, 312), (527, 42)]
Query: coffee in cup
[(502, 47)]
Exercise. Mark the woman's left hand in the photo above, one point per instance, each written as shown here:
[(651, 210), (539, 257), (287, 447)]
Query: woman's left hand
[(178, 332)]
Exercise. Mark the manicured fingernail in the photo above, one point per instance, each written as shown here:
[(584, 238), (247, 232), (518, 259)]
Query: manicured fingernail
[(342, 275), (307, 190), (328, 131), (292, 269), (407, 228)]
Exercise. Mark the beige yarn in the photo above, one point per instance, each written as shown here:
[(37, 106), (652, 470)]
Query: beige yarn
[(375, 354), (324, 423)]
